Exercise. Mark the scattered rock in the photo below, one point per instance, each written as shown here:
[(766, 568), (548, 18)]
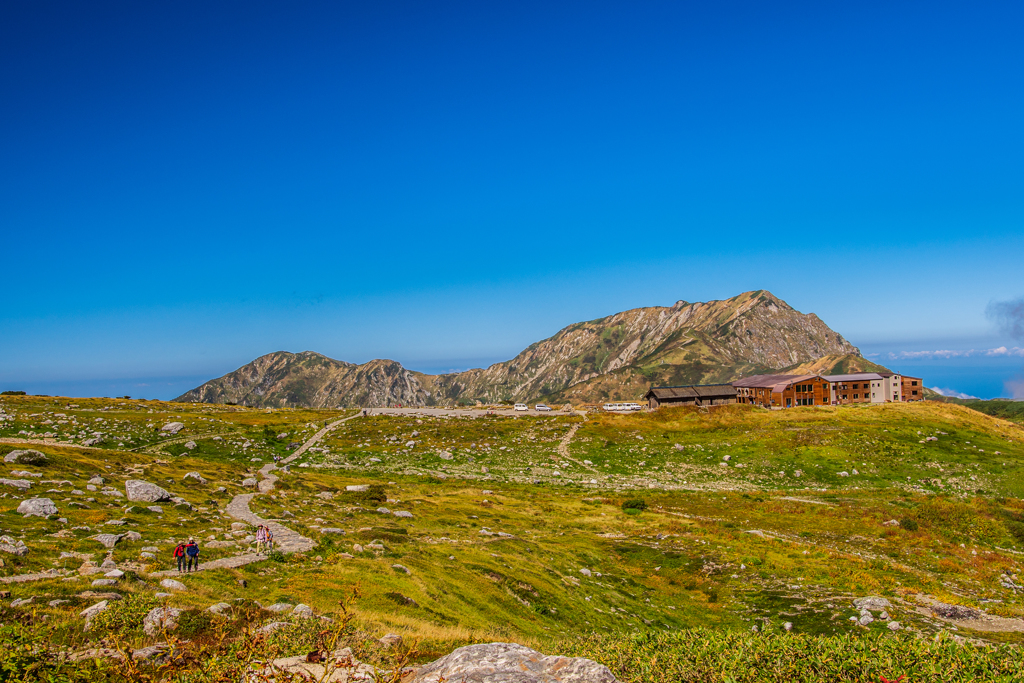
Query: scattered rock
[(161, 619), (194, 477), (12, 547), (512, 663), (585, 572), (144, 492), (108, 540), (894, 626), (171, 584), (21, 484), (272, 626), (872, 603), (359, 488), (402, 513), (332, 530), (100, 583), (219, 608), (190, 445), (250, 483), (37, 507), (281, 607), (390, 640), (172, 427), (445, 455), (401, 568), (90, 612), (302, 611), (26, 457)]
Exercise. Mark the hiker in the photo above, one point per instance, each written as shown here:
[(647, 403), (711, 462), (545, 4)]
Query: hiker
[(179, 555), (261, 538), (192, 553), (270, 538)]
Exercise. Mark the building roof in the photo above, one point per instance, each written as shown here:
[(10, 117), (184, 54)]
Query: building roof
[(853, 377), (692, 391), (764, 381)]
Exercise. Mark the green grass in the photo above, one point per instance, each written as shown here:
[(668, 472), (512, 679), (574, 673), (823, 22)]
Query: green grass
[(718, 548)]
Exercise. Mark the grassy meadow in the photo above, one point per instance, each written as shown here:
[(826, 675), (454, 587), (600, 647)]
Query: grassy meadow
[(674, 545)]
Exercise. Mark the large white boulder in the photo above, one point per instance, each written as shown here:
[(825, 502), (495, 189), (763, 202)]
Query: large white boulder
[(37, 507), (512, 663), (25, 457), (172, 427), (143, 492)]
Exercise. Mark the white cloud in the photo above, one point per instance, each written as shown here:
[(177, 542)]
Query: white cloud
[(961, 353), (952, 393)]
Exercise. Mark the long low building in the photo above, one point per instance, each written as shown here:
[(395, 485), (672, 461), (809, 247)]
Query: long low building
[(691, 395)]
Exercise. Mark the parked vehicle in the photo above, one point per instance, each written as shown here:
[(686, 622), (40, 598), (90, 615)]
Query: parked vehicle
[(521, 406), (541, 406), (621, 407)]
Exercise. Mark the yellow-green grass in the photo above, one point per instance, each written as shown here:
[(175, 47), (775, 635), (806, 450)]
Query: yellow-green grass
[(688, 560)]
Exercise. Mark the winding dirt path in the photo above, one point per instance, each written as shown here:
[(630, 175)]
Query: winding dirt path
[(286, 540)]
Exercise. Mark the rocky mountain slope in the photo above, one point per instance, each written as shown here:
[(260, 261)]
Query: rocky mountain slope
[(616, 357)]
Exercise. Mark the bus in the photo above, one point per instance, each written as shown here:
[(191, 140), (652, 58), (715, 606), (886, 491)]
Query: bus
[(621, 407)]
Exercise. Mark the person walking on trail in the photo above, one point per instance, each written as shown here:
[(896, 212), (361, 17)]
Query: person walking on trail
[(261, 538), (192, 553), (270, 538), (179, 555)]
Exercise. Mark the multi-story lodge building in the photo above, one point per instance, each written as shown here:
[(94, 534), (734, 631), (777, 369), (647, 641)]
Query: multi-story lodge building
[(783, 391), (786, 391)]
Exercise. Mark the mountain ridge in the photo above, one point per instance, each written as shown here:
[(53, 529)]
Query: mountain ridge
[(615, 356)]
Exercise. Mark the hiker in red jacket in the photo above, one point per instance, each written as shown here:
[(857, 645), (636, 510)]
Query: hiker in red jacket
[(179, 555)]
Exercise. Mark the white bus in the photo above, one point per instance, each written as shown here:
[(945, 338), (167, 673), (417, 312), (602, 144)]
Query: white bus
[(622, 407)]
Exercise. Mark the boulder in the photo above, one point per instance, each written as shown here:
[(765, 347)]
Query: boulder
[(133, 536), (172, 427), (90, 612), (9, 545), (26, 457), (510, 663), (37, 507), (99, 583), (108, 540), (272, 626), (160, 619), (359, 488), (390, 640), (219, 608), (195, 477), (302, 611), (872, 603), (402, 513), (281, 607), (143, 492), (155, 508), (20, 484), (172, 585), (190, 445), (250, 483), (331, 530), (401, 568), (445, 455)]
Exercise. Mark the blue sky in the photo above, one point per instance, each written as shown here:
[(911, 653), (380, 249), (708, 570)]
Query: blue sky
[(184, 188)]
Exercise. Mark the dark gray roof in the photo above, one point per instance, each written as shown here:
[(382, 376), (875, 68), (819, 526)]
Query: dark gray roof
[(692, 391)]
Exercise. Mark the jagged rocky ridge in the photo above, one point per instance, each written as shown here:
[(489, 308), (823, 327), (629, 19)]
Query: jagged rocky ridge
[(616, 357)]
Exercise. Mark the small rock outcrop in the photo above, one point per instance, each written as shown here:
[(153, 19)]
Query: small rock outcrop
[(172, 585), (172, 427), (143, 492), (37, 507), (510, 663), (194, 477), (21, 484), (160, 619), (108, 540), (26, 457)]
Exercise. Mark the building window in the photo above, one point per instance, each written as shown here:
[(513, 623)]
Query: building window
[(856, 395), (914, 392)]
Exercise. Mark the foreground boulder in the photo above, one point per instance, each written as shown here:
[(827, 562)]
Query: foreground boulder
[(37, 507), (510, 663), (26, 457), (143, 492), (172, 427)]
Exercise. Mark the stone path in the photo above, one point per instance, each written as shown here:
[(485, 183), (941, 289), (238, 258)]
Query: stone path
[(285, 540), (21, 578)]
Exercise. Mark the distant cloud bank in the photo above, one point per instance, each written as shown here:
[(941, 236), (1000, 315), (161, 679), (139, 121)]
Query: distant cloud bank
[(999, 351), (952, 393)]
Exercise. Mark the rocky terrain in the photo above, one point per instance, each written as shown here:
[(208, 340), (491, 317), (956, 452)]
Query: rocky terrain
[(616, 357)]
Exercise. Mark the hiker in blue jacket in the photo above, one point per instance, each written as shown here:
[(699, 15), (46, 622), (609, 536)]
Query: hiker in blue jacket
[(192, 553)]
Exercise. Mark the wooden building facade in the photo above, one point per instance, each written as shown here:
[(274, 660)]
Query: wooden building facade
[(783, 391), (691, 395)]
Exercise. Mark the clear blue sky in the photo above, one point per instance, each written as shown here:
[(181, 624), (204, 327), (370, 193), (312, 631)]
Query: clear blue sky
[(186, 187)]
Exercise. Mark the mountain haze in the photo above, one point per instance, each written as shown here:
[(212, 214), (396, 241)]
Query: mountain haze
[(616, 357)]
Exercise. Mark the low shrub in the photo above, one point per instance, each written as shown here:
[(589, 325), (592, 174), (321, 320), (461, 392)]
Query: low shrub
[(124, 615), (637, 504), (909, 523)]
